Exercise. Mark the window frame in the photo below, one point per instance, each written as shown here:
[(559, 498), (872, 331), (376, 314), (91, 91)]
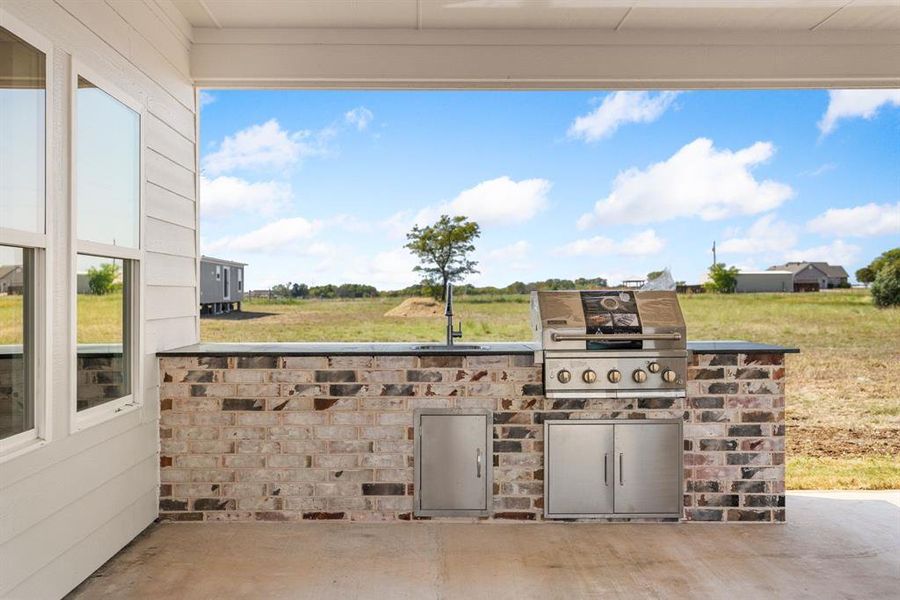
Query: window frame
[(133, 275), (37, 243)]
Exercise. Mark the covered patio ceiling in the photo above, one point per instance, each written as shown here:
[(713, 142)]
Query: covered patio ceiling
[(543, 43)]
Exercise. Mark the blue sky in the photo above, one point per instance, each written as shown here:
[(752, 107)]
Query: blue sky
[(321, 186)]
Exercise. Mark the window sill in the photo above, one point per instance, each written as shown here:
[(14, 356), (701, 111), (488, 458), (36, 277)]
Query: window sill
[(20, 444), (105, 412)]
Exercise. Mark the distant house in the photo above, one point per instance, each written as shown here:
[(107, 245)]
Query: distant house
[(814, 276), (764, 281), (12, 279), (221, 285)]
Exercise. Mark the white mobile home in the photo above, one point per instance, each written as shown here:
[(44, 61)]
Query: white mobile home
[(221, 285), (764, 281)]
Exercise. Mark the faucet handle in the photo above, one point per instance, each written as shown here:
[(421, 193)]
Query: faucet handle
[(458, 332)]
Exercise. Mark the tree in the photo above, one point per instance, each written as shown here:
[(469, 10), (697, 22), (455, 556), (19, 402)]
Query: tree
[(443, 250), (865, 275), (101, 280), (281, 290), (299, 290), (654, 274), (722, 279), (869, 273), (886, 287)]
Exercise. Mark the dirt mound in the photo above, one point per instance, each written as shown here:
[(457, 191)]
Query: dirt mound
[(417, 307)]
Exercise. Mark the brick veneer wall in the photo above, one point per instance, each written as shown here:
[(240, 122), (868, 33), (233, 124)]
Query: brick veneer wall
[(330, 437)]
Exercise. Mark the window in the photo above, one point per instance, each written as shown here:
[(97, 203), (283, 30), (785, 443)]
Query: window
[(23, 94), (240, 279), (23, 240), (16, 341), (226, 286), (108, 168), (107, 159), (103, 307), (218, 273)]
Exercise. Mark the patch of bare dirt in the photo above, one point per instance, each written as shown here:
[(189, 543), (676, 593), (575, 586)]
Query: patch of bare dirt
[(826, 441), (417, 307)]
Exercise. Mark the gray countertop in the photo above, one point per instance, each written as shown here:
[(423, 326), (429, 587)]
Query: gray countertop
[(430, 348)]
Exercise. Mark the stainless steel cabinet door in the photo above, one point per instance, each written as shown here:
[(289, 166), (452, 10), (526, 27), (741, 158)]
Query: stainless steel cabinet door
[(453, 463), (648, 464), (579, 469)]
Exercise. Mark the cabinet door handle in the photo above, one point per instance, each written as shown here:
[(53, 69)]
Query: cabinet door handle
[(605, 470), (478, 462), (621, 478)]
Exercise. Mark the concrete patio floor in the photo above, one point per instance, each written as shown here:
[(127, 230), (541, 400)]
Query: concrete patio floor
[(835, 545)]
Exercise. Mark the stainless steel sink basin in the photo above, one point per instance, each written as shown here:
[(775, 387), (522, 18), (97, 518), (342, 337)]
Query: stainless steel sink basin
[(453, 347)]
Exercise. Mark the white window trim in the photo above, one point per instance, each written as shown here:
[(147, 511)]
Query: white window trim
[(134, 323), (39, 435)]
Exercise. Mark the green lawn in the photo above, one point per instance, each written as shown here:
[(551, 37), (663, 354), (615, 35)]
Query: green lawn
[(843, 396), (843, 400)]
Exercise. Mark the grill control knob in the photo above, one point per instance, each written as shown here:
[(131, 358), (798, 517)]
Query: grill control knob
[(639, 376), (669, 376), (589, 376), (564, 376), (614, 376), (653, 367)]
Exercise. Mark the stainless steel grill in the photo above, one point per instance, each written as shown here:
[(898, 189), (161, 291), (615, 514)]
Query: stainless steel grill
[(610, 343)]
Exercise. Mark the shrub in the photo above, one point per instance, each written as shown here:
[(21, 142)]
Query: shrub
[(886, 287), (102, 280), (722, 279)]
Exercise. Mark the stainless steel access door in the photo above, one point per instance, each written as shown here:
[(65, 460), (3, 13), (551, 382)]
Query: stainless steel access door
[(453, 466), (579, 469), (648, 468)]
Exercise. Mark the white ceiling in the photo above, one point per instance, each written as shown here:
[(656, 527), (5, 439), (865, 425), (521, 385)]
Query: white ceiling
[(603, 15)]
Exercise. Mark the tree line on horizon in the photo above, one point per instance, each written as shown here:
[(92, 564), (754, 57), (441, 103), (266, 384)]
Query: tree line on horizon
[(425, 288)]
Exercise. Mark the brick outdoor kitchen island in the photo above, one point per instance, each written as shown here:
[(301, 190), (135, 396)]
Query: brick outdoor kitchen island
[(290, 432)]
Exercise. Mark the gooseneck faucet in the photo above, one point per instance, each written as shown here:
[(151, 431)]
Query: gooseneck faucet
[(448, 312)]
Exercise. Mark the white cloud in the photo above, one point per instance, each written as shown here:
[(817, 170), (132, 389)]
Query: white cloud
[(847, 104), (391, 270), (766, 236), (859, 221), (515, 251), (499, 201), (206, 98), (225, 195), (265, 146), (641, 244), (278, 235), (618, 109), (820, 170), (514, 256), (698, 180), (359, 117), (835, 253)]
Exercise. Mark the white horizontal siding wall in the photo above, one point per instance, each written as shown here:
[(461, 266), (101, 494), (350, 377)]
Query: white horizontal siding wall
[(68, 506)]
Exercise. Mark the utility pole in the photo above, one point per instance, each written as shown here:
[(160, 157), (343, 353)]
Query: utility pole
[(714, 253)]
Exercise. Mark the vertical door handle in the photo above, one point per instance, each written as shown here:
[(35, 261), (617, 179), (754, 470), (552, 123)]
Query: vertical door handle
[(621, 479), (478, 462), (605, 470)]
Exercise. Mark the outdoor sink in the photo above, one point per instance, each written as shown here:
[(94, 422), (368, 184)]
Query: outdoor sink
[(453, 347)]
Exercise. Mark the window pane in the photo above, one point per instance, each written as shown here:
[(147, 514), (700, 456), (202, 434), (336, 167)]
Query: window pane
[(16, 398), (103, 365), (107, 168), (22, 115)]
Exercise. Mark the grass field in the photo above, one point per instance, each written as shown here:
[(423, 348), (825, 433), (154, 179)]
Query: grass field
[(843, 395)]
